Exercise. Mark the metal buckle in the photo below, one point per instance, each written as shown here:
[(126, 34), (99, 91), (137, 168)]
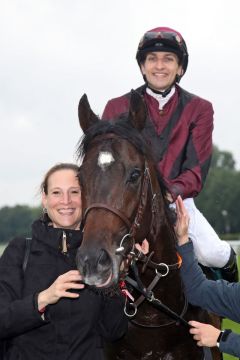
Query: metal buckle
[(164, 274), (121, 248), (134, 310)]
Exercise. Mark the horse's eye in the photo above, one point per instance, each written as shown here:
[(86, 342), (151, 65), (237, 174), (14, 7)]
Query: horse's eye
[(134, 176)]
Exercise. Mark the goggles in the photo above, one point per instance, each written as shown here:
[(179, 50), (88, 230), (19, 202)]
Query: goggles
[(153, 35)]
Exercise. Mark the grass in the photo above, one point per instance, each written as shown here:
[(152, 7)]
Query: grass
[(228, 324), (2, 247)]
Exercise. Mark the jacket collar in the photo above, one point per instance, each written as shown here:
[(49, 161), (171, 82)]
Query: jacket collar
[(52, 237)]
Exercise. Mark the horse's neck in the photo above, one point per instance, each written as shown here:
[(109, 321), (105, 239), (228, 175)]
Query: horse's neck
[(168, 289), (165, 252), (164, 246)]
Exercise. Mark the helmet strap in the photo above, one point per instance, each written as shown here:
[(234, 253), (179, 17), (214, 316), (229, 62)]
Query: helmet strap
[(162, 93), (178, 78)]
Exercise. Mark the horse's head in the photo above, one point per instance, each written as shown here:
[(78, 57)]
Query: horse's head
[(120, 191)]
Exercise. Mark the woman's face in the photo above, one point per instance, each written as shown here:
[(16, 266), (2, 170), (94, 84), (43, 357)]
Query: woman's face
[(63, 200)]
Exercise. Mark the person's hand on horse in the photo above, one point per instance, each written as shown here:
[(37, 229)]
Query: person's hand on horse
[(169, 197), (144, 247), (181, 226), (60, 287), (204, 334)]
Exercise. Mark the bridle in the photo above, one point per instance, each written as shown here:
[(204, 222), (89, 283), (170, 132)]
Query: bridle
[(132, 227), (146, 293), (133, 254)]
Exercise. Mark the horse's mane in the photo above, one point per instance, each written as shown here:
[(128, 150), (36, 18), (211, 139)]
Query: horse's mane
[(124, 130), (120, 128)]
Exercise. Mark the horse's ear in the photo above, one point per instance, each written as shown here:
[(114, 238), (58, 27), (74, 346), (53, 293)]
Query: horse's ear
[(86, 116), (137, 111)]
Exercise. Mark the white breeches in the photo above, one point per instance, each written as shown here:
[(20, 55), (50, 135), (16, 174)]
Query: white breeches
[(209, 249)]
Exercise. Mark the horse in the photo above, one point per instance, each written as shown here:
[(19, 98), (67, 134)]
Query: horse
[(124, 201)]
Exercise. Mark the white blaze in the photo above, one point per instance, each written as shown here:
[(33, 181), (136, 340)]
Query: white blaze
[(105, 159)]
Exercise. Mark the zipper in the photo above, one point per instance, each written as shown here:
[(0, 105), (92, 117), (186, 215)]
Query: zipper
[(64, 243)]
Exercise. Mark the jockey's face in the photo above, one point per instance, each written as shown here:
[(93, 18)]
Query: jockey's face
[(160, 69)]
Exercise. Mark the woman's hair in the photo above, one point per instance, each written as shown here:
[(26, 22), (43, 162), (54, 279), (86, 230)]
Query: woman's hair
[(52, 170)]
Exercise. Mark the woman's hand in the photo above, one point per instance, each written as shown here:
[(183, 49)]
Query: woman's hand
[(204, 334), (59, 289), (144, 247), (181, 227)]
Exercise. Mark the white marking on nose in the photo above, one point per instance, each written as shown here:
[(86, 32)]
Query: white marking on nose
[(105, 159)]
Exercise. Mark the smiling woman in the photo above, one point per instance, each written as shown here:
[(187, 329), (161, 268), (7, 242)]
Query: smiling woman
[(61, 197), (47, 311)]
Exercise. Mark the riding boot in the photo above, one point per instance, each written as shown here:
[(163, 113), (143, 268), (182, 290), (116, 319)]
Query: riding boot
[(230, 271)]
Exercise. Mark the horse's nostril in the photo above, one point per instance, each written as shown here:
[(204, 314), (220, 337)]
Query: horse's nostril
[(94, 261), (104, 259)]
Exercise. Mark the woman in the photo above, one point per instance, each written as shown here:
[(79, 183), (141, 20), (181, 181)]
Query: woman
[(219, 297), (45, 311)]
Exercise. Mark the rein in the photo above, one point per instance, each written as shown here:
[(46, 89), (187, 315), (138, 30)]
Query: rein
[(147, 293)]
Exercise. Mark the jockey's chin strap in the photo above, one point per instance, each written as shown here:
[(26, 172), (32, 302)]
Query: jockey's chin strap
[(147, 293)]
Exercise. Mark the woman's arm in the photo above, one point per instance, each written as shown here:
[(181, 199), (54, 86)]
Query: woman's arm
[(207, 335), (219, 297), (17, 314), (20, 314)]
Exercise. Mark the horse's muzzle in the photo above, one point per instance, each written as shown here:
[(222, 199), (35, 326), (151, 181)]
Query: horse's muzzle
[(96, 267)]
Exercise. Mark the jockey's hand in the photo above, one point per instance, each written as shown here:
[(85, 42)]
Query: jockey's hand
[(181, 226), (144, 247), (204, 334)]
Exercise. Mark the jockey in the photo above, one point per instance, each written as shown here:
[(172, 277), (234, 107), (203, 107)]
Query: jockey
[(179, 131)]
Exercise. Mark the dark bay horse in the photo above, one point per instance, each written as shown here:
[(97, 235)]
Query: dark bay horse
[(124, 202)]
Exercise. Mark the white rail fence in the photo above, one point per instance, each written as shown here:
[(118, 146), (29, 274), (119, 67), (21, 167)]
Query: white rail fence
[(235, 245)]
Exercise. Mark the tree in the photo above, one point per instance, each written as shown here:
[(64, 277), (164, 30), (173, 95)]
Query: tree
[(16, 221), (222, 159), (220, 199)]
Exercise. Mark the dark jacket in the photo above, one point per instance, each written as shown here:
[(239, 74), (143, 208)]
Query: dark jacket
[(219, 297), (73, 328), (180, 137)]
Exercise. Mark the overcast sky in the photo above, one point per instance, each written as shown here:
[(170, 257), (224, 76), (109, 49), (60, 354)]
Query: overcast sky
[(53, 51)]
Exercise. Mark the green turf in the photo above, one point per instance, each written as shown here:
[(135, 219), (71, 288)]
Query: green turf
[(228, 324), (2, 247)]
